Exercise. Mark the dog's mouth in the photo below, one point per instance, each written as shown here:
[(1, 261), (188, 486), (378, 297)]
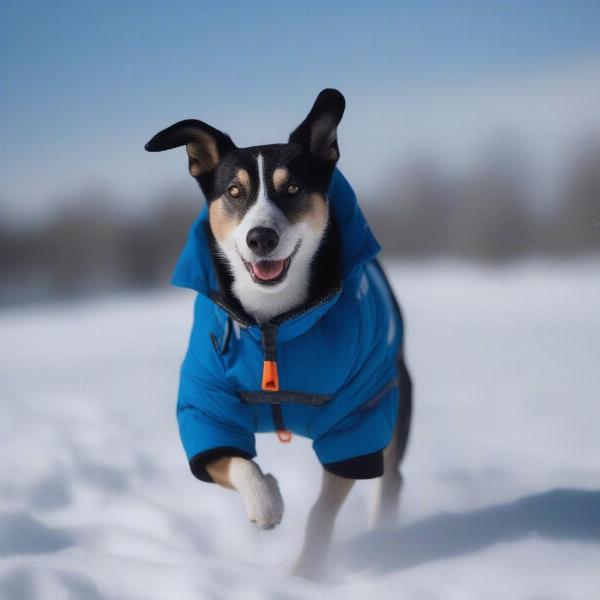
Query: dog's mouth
[(270, 272)]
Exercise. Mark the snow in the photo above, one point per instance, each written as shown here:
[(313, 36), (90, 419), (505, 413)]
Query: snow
[(502, 496)]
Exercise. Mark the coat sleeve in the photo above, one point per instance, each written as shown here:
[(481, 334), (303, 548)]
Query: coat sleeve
[(212, 421)]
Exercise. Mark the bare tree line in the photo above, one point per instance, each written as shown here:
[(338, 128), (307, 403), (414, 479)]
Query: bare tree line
[(491, 213)]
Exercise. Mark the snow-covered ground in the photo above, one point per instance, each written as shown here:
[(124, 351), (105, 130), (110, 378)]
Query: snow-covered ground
[(502, 499)]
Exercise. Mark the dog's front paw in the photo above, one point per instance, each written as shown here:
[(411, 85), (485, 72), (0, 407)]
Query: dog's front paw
[(260, 494), (265, 504)]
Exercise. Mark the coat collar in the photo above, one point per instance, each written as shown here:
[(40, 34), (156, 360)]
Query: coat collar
[(194, 268)]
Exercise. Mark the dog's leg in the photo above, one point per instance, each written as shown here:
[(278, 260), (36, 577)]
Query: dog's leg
[(319, 528), (387, 498), (260, 493), (387, 495)]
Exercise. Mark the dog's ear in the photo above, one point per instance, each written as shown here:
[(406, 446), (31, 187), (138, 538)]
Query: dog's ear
[(205, 145), (318, 132)]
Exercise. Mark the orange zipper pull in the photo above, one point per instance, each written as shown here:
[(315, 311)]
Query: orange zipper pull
[(270, 378)]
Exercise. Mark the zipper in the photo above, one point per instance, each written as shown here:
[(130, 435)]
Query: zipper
[(270, 375), (270, 379)]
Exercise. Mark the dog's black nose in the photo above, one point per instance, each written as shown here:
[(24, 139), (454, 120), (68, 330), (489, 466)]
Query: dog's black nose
[(262, 240)]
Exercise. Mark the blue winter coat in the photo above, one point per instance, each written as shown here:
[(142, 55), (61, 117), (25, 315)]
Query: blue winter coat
[(336, 362)]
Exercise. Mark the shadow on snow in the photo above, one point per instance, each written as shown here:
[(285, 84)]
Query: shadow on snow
[(561, 514)]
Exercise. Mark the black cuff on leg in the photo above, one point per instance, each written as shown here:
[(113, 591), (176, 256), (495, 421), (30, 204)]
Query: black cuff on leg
[(199, 461), (367, 466)]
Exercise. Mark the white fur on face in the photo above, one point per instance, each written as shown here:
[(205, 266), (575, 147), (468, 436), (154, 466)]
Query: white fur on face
[(263, 302)]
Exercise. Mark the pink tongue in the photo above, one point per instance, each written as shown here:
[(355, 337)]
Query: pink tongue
[(267, 269)]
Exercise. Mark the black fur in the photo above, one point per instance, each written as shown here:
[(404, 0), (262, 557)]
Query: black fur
[(310, 156)]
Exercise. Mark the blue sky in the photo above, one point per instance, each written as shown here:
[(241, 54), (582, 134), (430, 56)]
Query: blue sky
[(86, 81)]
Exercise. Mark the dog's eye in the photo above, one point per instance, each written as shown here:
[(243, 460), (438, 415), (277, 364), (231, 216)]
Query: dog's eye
[(293, 189), (234, 191)]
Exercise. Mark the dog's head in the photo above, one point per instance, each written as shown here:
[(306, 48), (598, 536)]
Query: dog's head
[(268, 208)]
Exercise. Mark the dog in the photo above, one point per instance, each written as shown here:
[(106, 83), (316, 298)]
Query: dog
[(296, 329)]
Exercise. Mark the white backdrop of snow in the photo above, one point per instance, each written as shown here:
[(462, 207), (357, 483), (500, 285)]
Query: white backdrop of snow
[(97, 502)]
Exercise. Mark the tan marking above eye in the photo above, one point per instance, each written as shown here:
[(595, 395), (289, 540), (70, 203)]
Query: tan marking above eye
[(243, 177), (280, 176)]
